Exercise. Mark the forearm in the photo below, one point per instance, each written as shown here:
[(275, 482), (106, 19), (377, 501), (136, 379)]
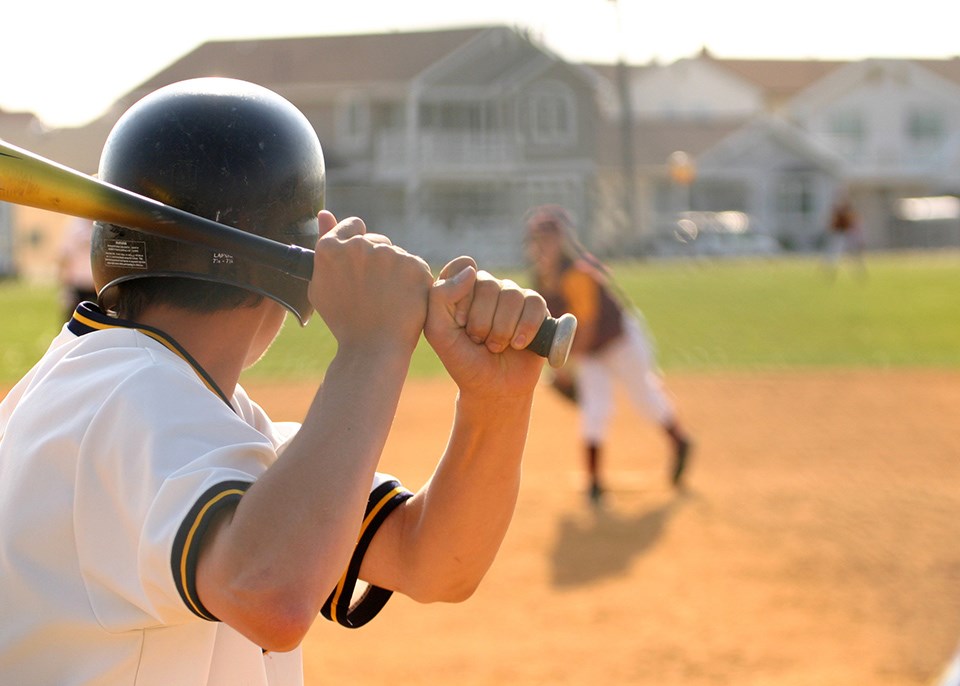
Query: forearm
[(453, 528), (293, 532)]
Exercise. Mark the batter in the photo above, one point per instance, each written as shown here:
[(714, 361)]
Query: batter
[(157, 526)]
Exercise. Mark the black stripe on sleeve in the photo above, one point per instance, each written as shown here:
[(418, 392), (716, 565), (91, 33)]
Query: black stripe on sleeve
[(186, 544), (339, 606)]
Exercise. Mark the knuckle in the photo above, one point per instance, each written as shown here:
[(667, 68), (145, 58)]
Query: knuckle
[(486, 286), (535, 301), (513, 298)]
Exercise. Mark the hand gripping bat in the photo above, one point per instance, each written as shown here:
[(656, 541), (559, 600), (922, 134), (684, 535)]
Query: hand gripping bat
[(32, 180)]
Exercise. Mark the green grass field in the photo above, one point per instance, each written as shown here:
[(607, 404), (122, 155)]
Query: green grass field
[(705, 316)]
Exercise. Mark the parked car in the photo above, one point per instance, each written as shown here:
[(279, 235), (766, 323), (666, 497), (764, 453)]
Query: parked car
[(713, 234)]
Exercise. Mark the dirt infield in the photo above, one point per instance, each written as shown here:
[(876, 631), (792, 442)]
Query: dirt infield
[(817, 545)]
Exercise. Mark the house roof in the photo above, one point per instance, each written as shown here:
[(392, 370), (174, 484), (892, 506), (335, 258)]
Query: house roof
[(778, 78), (745, 144), (502, 56), (655, 140), (948, 69), (78, 148), (381, 57), (16, 127), (782, 79), (787, 77)]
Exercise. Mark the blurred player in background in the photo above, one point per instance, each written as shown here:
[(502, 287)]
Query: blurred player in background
[(611, 343), (845, 236), (73, 267)]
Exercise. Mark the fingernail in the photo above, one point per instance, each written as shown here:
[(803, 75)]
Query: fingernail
[(461, 275), (520, 342)]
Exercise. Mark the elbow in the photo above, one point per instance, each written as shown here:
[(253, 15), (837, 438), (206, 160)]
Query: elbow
[(276, 628), (459, 594), (278, 642), (447, 589), (275, 620)]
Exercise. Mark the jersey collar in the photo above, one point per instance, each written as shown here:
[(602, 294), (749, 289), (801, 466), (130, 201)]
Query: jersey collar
[(88, 317)]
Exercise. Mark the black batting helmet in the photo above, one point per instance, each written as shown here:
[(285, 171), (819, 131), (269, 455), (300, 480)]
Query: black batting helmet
[(226, 150)]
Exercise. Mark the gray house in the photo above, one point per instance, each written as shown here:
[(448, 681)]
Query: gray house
[(440, 139)]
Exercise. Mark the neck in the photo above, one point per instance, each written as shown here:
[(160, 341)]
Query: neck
[(220, 342)]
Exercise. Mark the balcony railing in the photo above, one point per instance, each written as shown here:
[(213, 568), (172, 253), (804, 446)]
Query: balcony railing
[(445, 152)]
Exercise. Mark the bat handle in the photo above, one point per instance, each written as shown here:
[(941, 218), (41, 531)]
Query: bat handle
[(554, 339)]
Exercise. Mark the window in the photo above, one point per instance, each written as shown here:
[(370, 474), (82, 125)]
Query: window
[(481, 200), (553, 114), (454, 204), (455, 116), (392, 115), (926, 130), (795, 195), (848, 131), (353, 122)]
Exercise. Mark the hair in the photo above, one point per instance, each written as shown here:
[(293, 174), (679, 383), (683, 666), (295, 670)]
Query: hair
[(134, 296), (557, 221)]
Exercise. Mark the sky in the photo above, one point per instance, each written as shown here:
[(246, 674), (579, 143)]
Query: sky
[(67, 61)]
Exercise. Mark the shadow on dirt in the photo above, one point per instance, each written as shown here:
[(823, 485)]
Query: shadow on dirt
[(605, 543)]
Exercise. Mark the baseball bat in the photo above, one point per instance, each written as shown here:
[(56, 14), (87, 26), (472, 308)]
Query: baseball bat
[(29, 179)]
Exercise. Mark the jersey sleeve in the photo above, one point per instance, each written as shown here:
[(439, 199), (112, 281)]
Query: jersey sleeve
[(149, 486), (581, 293), (161, 457)]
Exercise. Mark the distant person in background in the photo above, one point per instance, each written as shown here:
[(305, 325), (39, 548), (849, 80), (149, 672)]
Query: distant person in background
[(611, 342), (73, 270), (845, 235)]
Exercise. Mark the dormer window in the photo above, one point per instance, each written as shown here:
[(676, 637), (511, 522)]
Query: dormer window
[(926, 130), (553, 114), (848, 131), (353, 123)]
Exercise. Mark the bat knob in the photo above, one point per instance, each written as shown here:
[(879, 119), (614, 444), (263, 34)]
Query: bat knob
[(554, 339)]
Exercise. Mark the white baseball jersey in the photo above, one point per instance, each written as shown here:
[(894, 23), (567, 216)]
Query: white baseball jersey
[(951, 673), (116, 450)]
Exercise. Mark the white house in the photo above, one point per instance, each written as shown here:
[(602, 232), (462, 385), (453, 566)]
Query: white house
[(886, 131), (896, 127)]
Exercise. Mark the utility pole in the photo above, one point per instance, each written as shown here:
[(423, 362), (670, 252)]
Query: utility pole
[(630, 229)]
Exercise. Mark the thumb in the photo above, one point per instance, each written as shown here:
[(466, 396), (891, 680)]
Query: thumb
[(455, 293), (326, 220)]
